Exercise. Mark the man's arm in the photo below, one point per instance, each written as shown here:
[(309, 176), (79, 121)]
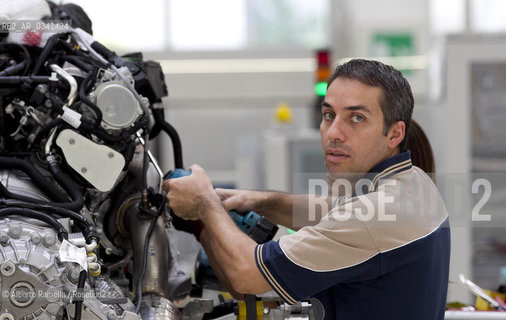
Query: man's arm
[(232, 251), (293, 211)]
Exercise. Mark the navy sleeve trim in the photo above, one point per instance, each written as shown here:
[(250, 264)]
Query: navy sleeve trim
[(269, 278)]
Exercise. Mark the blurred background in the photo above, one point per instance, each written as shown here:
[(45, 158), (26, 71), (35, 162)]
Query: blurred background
[(245, 82)]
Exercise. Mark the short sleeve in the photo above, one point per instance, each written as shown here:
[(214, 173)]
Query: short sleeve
[(294, 282)]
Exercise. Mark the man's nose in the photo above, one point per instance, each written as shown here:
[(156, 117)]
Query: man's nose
[(336, 130)]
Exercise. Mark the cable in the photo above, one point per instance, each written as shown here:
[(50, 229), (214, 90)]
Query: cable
[(68, 185), (50, 44), (86, 100), (145, 257), (27, 60), (40, 181), (79, 300), (21, 79), (29, 213), (174, 137), (89, 231), (145, 167)]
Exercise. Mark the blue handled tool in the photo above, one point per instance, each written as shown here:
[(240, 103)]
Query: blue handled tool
[(177, 173), (257, 227)]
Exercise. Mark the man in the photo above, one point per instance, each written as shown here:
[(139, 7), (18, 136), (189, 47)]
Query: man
[(382, 252)]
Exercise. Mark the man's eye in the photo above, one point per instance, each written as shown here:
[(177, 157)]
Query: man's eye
[(328, 116), (357, 118)]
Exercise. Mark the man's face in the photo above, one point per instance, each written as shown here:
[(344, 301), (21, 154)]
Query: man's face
[(352, 128)]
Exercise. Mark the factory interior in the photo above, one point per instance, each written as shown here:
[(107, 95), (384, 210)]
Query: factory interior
[(245, 81)]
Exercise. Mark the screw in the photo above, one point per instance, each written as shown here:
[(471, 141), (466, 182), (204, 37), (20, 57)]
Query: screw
[(111, 155), (84, 170), (108, 251), (72, 141)]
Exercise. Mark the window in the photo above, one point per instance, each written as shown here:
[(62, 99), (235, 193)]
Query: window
[(127, 25), (452, 16), (203, 25), (488, 15)]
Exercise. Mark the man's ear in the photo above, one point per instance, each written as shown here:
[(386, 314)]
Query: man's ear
[(396, 133)]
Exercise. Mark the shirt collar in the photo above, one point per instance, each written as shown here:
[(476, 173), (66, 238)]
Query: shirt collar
[(388, 167)]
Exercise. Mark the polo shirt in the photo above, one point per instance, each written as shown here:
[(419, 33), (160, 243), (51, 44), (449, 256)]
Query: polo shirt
[(383, 254)]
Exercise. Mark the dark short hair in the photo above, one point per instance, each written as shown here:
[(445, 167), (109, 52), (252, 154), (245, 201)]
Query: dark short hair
[(397, 100)]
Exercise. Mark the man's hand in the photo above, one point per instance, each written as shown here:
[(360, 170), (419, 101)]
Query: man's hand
[(189, 195), (239, 200)]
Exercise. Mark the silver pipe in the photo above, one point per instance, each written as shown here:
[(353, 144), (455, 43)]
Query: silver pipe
[(156, 279), (153, 161), (49, 142), (70, 79)]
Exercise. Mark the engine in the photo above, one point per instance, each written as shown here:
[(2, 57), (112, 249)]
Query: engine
[(84, 230)]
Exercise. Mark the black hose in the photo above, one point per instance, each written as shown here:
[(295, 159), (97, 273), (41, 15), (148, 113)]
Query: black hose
[(40, 181), (10, 195), (44, 131), (88, 230), (29, 213), (174, 137), (7, 46), (79, 299), (68, 185), (48, 50), (86, 100), (88, 126), (78, 63), (21, 79), (13, 69), (57, 105)]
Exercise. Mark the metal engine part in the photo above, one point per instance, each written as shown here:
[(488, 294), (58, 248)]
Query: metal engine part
[(36, 284), (100, 165), (158, 308), (73, 116), (119, 106)]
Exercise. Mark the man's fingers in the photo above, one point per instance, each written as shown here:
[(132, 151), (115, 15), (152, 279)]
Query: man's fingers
[(228, 204), (223, 193)]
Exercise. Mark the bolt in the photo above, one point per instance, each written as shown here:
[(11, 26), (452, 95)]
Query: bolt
[(108, 251), (74, 274), (72, 141), (6, 316), (53, 309), (111, 315), (7, 268), (35, 237), (48, 240), (111, 155), (15, 230), (3, 237)]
